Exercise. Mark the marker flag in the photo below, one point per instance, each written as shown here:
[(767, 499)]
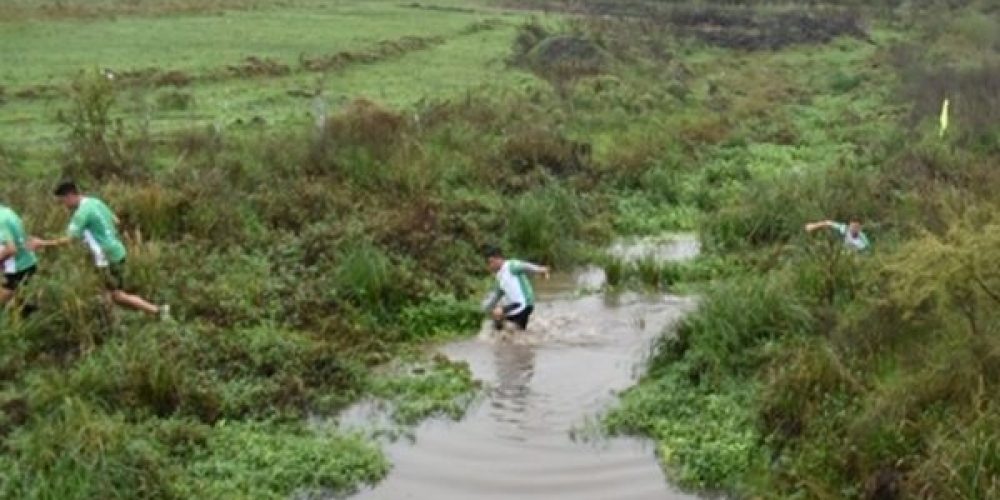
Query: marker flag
[(944, 117)]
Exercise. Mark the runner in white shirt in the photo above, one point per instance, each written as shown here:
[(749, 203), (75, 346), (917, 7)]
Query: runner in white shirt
[(854, 237), (513, 289)]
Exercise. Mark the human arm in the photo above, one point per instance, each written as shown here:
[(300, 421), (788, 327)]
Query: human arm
[(836, 226), (492, 299), (74, 231), (527, 267), (812, 226), (36, 243)]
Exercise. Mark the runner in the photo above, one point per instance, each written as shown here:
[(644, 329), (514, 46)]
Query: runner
[(513, 287), (854, 238), (96, 225), (16, 256)]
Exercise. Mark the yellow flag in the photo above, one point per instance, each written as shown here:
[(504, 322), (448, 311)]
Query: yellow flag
[(944, 117)]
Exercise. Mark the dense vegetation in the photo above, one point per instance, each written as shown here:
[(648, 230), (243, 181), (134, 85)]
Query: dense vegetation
[(818, 373), (305, 245)]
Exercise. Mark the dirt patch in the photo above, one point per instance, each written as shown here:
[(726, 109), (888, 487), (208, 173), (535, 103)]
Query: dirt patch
[(568, 51), (484, 25), (441, 8), (731, 27), (258, 66), (528, 149), (154, 77), (38, 92), (13, 414), (883, 484), (365, 123), (385, 49), (752, 30), (560, 59)]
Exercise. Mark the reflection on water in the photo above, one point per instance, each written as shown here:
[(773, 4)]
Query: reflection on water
[(543, 383)]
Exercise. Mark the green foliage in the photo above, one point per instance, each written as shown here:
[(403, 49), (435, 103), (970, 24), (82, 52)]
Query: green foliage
[(442, 388), (640, 215), (440, 315), (737, 317), (306, 232), (537, 222), (705, 438), (614, 271), (79, 451), (365, 275), (254, 460), (99, 145)]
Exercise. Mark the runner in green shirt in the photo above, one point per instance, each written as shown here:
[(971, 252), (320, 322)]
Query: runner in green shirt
[(95, 224), (16, 256)]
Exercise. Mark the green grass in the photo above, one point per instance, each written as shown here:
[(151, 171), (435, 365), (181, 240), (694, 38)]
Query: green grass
[(303, 262), (52, 52)]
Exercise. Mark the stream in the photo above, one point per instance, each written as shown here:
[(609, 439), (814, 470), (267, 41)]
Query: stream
[(531, 436)]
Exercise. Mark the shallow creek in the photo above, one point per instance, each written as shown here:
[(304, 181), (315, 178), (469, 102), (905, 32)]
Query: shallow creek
[(527, 437)]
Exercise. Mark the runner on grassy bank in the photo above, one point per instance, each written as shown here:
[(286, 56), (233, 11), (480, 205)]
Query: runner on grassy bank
[(16, 256), (95, 224), (854, 237)]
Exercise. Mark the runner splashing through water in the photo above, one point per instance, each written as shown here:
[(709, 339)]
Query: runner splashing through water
[(513, 289)]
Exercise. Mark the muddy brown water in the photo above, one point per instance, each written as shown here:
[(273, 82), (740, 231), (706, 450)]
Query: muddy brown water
[(526, 437)]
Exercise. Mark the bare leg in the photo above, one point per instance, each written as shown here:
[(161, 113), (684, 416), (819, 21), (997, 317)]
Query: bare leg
[(5, 296), (134, 302)]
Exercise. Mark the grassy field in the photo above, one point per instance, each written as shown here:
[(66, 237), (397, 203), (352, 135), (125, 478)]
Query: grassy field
[(229, 67), (309, 182)]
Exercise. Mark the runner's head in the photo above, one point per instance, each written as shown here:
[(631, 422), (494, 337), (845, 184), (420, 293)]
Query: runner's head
[(68, 194), (494, 257), (854, 227)]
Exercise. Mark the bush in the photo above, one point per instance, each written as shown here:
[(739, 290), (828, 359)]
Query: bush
[(365, 274), (722, 338), (439, 315), (99, 145), (78, 451), (538, 222)]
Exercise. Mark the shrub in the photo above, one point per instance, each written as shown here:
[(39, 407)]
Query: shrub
[(720, 340), (99, 145), (538, 223), (78, 451), (439, 315), (365, 274)]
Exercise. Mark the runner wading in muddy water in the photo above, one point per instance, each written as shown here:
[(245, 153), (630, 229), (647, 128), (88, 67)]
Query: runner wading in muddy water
[(16, 256), (513, 288), (96, 225), (854, 237)]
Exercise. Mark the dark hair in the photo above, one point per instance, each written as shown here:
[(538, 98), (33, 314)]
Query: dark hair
[(66, 187), (490, 251)]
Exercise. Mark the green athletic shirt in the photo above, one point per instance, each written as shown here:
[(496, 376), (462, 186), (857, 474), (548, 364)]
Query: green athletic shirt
[(94, 222), (12, 231)]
